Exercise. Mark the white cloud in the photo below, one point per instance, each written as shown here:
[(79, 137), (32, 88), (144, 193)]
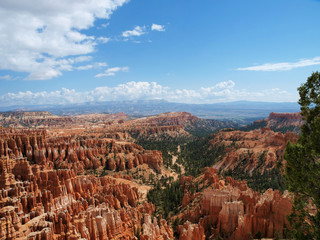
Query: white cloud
[(91, 66), (80, 59), (85, 67), (137, 31), (103, 39), (284, 66), (104, 25), (224, 86), (5, 77), (112, 71), (36, 35), (58, 65), (156, 27), (141, 30), (221, 92)]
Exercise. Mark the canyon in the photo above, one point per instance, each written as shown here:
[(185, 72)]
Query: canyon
[(87, 177)]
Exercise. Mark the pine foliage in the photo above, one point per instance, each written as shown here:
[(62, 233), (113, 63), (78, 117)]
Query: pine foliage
[(302, 172)]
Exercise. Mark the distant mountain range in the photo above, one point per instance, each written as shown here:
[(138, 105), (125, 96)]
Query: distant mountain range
[(240, 111)]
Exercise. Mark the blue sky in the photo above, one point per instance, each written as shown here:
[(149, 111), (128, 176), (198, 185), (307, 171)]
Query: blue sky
[(202, 51)]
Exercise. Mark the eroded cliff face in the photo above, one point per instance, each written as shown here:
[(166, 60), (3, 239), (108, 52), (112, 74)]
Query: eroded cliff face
[(257, 150), (37, 202), (169, 119), (228, 208), (280, 122), (41, 119), (177, 125), (76, 153), (284, 122), (38, 118)]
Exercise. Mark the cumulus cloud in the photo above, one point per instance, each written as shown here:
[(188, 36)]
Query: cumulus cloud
[(112, 71), (156, 27), (37, 36), (283, 66), (218, 89), (221, 92), (136, 31)]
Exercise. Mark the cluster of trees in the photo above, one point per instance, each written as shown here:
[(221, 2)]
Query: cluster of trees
[(167, 199), (254, 125), (257, 181), (198, 154)]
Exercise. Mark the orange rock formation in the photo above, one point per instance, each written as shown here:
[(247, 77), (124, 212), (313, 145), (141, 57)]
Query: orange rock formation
[(37, 202), (229, 208), (282, 122), (261, 148), (77, 154)]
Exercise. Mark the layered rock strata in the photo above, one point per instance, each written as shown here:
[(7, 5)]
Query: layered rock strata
[(280, 122), (257, 150)]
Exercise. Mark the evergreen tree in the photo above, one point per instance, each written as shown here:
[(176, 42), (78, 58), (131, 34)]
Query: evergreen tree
[(302, 172)]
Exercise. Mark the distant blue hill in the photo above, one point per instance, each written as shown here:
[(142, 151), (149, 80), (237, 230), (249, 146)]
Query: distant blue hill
[(240, 111)]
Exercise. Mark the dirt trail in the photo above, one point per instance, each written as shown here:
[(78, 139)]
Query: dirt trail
[(175, 157), (174, 161)]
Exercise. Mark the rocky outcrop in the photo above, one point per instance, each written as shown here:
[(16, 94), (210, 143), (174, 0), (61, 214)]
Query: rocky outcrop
[(77, 154), (37, 202), (229, 208), (279, 122), (189, 231), (152, 230), (295, 118), (257, 150), (169, 119)]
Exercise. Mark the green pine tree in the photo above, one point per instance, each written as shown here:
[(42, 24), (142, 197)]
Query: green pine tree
[(302, 172)]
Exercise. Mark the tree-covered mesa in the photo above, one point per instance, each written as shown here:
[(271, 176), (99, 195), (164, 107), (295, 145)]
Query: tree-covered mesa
[(302, 170)]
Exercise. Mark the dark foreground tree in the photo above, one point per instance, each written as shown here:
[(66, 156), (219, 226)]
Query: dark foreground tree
[(302, 172)]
